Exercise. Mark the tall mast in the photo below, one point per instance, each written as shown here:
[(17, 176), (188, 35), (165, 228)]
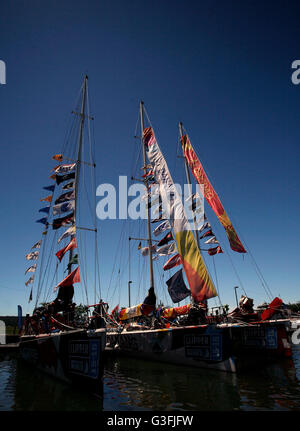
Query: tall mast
[(188, 178), (148, 200), (78, 160)]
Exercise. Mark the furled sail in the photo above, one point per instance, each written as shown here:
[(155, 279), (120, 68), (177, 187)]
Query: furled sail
[(210, 194), (199, 280)]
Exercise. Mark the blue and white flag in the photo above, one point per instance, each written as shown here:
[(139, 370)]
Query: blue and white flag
[(64, 207), (161, 228)]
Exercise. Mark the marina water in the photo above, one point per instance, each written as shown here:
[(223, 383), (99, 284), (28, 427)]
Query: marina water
[(135, 385)]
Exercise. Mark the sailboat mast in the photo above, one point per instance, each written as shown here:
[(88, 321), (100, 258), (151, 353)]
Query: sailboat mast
[(78, 160), (188, 177), (148, 200)]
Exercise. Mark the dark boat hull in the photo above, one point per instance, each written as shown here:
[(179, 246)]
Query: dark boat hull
[(198, 346), (227, 347), (71, 356)]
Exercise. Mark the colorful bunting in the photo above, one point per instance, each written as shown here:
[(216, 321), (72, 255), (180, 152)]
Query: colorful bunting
[(196, 272)]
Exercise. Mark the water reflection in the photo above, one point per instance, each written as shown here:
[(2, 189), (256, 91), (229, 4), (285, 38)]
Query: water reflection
[(133, 384), (27, 389), (130, 384)]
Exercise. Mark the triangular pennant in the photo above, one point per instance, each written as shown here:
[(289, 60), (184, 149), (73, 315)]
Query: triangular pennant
[(37, 245), (72, 278), (72, 244), (49, 188), (58, 157), (172, 262), (68, 232), (215, 250), (47, 198), (63, 221)]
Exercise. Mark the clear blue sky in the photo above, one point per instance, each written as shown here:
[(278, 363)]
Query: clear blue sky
[(223, 68)]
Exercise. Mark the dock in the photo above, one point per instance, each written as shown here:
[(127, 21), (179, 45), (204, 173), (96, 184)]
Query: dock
[(8, 348)]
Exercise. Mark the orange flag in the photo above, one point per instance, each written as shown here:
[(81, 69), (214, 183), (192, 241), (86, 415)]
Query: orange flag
[(210, 194), (58, 157), (47, 199)]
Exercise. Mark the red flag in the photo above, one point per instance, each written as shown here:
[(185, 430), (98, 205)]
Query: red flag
[(173, 261), (165, 239), (70, 279), (208, 233), (72, 244), (215, 250), (210, 194), (115, 312)]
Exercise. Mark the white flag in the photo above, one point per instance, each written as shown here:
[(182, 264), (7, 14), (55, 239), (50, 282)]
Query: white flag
[(32, 256), (167, 249), (63, 169), (31, 269), (212, 240), (68, 232), (145, 250)]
